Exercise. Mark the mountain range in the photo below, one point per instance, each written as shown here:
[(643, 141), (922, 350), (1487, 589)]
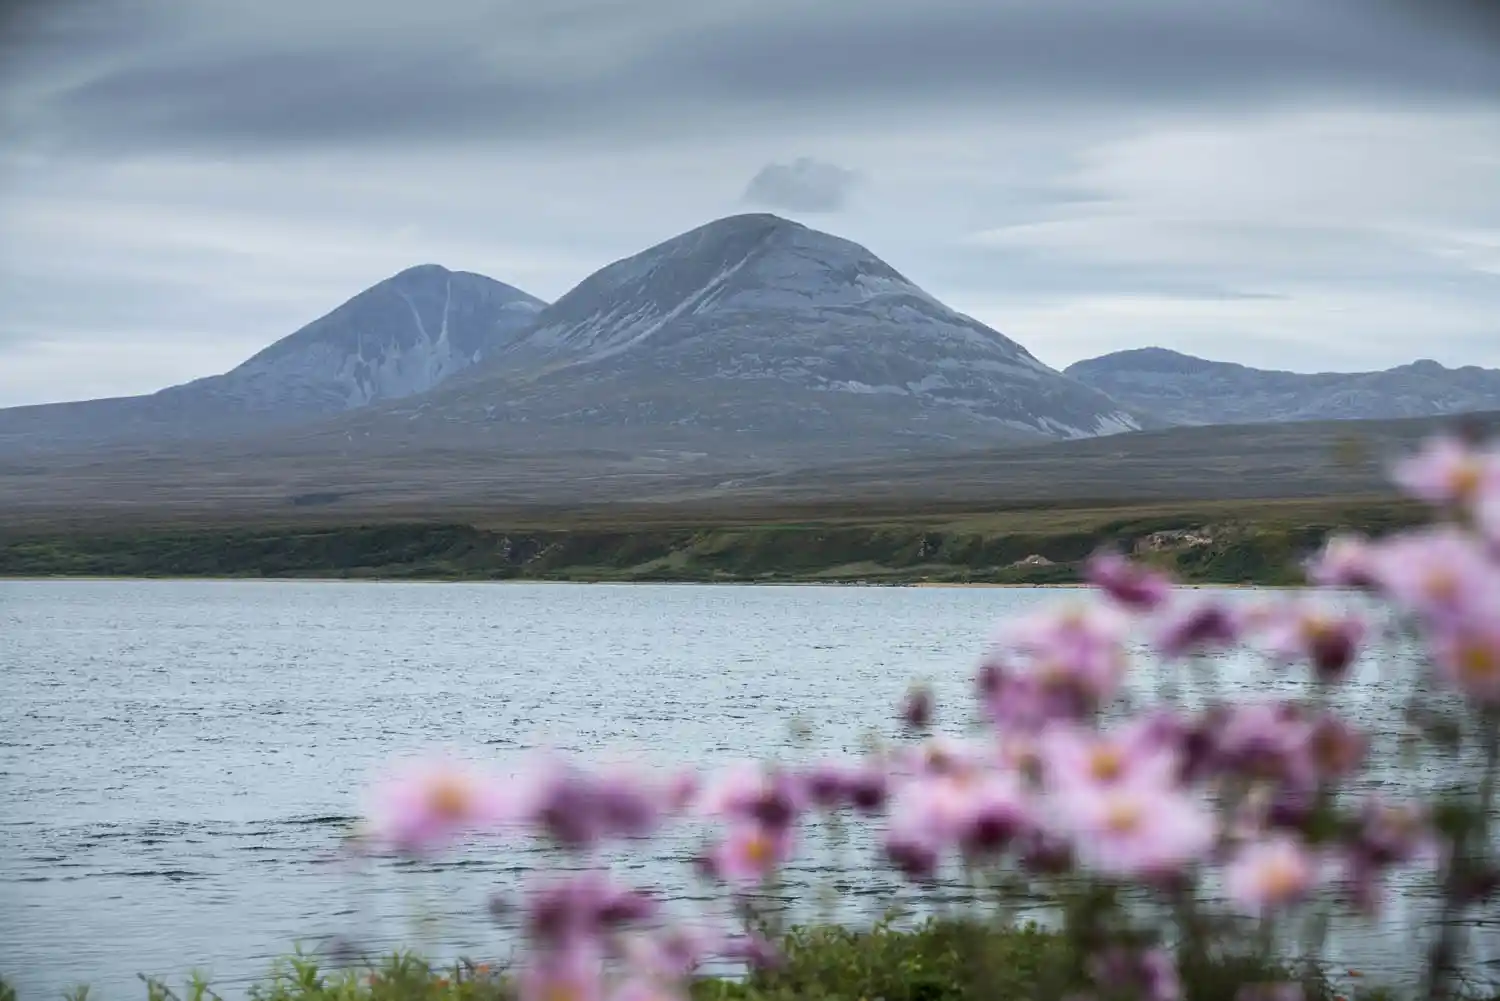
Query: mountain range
[(1181, 389), (751, 335), (748, 333)]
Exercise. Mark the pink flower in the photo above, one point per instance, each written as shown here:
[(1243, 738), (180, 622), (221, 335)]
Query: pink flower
[(1270, 992), (670, 954), (834, 785), (1447, 470), (1075, 652), (1337, 749), (1075, 759), (425, 803), (1328, 640), (574, 973), (751, 792), (1487, 517), (578, 809), (1265, 740), (1150, 975), (1467, 656), (1017, 699), (1394, 834), (647, 989), (1435, 573), (582, 907), (1130, 584), (1270, 875), (1197, 625), (1135, 831), (998, 811), (1346, 560), (749, 853)]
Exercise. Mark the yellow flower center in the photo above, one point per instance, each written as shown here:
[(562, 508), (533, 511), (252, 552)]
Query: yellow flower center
[(562, 990), (1123, 816), (1442, 585), (1106, 763), (449, 798), (1479, 662), (1466, 480), (758, 850), (1281, 878)]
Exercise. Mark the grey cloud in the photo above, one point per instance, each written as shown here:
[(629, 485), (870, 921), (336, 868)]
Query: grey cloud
[(503, 70), (804, 185)]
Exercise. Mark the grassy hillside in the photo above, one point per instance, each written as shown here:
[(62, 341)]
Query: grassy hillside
[(1224, 542)]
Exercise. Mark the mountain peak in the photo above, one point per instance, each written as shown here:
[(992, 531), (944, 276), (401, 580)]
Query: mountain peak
[(420, 272), (765, 310)]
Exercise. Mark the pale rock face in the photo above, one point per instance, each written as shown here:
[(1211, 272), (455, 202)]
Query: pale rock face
[(401, 337), (1181, 389), (754, 324)]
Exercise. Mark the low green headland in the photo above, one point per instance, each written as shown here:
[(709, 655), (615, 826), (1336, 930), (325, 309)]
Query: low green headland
[(1225, 542)]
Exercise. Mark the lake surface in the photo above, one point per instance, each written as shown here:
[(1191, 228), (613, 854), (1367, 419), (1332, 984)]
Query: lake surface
[(179, 761)]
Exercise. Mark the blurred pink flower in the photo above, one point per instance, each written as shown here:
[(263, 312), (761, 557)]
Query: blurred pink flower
[(424, 803), (573, 973), (669, 954), (577, 808), (1392, 834), (1270, 992), (1076, 759), (1135, 831), (1076, 650), (1336, 747), (998, 811), (646, 989), (581, 907), (1346, 560), (1270, 875), (1435, 573), (1128, 582), (752, 792), (1267, 740), (749, 853), (1448, 470), (1487, 518), (1467, 656), (1196, 625), (1329, 640)]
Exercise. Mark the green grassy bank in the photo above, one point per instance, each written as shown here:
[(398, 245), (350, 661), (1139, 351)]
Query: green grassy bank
[(1232, 542), (952, 961)]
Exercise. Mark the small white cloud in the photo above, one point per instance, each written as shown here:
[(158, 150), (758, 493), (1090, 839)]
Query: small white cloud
[(804, 185)]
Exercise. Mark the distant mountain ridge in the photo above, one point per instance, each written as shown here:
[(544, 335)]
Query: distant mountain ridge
[(1183, 389), (400, 337), (762, 328)]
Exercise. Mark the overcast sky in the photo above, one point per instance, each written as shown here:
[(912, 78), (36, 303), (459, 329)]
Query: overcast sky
[(1303, 184)]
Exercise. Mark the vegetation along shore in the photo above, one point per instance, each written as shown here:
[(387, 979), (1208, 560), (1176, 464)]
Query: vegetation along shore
[(1228, 542)]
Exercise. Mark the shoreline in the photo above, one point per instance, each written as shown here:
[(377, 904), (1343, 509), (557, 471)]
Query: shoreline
[(925, 585), (1261, 544)]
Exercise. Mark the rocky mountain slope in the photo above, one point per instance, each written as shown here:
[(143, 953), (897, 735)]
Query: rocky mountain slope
[(1182, 389), (401, 337), (754, 329)]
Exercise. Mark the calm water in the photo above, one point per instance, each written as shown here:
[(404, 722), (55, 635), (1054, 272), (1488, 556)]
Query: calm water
[(179, 760)]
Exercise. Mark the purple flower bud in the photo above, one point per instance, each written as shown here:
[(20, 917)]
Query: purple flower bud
[(1127, 582), (914, 859), (916, 708)]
